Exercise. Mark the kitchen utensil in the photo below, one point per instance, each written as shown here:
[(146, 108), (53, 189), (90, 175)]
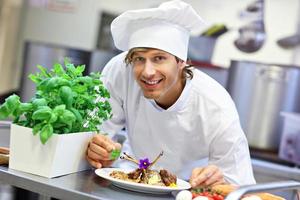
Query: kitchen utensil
[(251, 38), (215, 31), (289, 42)]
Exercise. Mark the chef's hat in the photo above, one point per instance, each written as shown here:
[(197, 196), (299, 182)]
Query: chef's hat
[(167, 28)]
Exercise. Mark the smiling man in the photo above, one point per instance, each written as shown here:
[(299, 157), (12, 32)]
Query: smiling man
[(165, 104), (158, 73)]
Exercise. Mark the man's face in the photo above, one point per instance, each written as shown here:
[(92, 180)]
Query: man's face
[(159, 75)]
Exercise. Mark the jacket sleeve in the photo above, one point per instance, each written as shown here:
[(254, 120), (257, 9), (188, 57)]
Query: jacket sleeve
[(229, 149), (113, 78)]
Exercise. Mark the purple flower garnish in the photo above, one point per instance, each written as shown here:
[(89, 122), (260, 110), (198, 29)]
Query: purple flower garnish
[(144, 163)]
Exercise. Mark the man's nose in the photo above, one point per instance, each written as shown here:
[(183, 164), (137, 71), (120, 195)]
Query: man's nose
[(149, 69)]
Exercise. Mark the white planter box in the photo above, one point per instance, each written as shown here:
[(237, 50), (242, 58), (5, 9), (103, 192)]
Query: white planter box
[(62, 154)]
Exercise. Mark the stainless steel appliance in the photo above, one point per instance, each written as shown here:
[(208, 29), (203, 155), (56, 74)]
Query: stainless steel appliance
[(261, 92)]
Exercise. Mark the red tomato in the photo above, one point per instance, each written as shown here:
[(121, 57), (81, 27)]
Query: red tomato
[(205, 194), (194, 195), (218, 197)]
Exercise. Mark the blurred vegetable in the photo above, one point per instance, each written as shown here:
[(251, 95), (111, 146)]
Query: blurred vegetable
[(63, 102), (206, 193), (184, 195)]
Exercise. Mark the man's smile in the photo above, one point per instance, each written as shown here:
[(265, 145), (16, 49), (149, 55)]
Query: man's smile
[(151, 83)]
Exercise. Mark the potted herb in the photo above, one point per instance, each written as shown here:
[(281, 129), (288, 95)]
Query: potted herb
[(50, 133)]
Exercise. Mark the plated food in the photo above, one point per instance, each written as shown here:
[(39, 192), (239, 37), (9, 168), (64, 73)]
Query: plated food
[(140, 187), (143, 179), (144, 174)]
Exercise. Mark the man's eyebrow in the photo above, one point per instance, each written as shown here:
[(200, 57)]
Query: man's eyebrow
[(137, 53), (160, 54)]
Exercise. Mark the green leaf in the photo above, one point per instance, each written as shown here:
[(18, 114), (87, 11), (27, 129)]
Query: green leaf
[(56, 82), (66, 94), (42, 85), (85, 80), (58, 69), (53, 118), (34, 78), (13, 102), (25, 107), (37, 128), (59, 110), (77, 115), (44, 71), (43, 113), (79, 70), (80, 88), (58, 126), (96, 82), (67, 117), (39, 102), (10, 105), (4, 111), (115, 154), (46, 133)]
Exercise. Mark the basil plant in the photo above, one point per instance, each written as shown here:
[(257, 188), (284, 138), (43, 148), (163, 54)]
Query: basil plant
[(65, 102)]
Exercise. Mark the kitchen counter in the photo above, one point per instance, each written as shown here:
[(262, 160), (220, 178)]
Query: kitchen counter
[(87, 185), (80, 185), (265, 171)]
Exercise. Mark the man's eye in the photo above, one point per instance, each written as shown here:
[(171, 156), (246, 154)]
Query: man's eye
[(138, 59), (159, 58)]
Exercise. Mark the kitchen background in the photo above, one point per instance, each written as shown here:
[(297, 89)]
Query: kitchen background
[(251, 47)]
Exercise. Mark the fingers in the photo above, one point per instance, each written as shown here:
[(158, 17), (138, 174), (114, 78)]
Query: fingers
[(101, 146), (210, 175), (99, 151), (118, 146), (103, 142), (106, 163), (94, 163), (195, 173)]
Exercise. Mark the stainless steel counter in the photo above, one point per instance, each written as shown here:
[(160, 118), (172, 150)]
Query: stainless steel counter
[(265, 171), (81, 185)]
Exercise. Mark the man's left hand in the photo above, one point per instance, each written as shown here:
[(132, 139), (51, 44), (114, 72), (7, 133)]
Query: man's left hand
[(207, 176)]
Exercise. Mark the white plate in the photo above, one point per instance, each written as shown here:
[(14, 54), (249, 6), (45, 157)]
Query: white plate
[(140, 187)]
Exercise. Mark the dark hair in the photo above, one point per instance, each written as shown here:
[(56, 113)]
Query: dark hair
[(187, 71)]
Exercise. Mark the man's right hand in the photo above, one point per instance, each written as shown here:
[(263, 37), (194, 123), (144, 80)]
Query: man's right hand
[(99, 151)]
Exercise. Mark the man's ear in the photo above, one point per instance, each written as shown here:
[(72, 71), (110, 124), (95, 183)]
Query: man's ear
[(182, 64)]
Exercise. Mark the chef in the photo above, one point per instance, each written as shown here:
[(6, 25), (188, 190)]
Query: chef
[(165, 104)]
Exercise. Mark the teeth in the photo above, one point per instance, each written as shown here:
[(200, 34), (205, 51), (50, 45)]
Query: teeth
[(152, 82)]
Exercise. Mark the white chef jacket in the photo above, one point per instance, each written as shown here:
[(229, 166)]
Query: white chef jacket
[(202, 125)]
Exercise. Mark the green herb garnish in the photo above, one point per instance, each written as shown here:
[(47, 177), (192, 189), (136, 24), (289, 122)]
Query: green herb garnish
[(115, 154)]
